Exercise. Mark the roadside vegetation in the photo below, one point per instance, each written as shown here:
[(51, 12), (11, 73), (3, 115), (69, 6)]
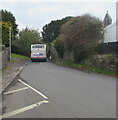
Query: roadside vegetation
[(21, 57), (23, 43), (7, 25), (19, 41), (77, 45), (85, 67)]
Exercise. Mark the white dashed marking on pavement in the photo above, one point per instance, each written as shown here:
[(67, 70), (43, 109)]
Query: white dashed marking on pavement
[(33, 89), (6, 115), (10, 92)]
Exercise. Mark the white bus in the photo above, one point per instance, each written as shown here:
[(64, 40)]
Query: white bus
[(38, 52)]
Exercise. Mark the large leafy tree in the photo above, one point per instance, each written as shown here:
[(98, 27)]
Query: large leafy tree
[(9, 17), (26, 38), (81, 35), (52, 30)]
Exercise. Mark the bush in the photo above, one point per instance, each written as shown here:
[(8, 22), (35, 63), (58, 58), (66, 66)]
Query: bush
[(23, 45), (82, 53)]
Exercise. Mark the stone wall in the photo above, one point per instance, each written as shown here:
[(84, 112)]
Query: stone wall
[(4, 57), (0, 60), (53, 53), (105, 62)]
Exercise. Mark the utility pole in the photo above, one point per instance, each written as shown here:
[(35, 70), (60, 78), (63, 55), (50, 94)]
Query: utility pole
[(10, 42)]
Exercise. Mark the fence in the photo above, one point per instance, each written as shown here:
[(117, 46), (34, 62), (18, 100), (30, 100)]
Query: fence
[(108, 48)]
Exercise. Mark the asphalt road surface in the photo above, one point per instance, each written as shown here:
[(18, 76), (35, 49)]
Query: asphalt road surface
[(45, 90)]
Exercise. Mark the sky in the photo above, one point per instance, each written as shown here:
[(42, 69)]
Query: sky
[(36, 14)]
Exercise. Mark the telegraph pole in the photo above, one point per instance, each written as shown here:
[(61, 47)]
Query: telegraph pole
[(10, 43)]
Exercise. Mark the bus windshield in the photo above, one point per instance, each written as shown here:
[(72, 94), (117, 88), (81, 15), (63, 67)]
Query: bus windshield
[(38, 46)]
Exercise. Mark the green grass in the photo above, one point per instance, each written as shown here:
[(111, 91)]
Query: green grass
[(84, 67), (69, 63), (19, 57)]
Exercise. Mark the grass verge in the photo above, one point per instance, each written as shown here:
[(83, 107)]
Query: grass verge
[(86, 68), (19, 57)]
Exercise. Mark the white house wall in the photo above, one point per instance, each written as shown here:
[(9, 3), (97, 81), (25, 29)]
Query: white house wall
[(117, 31), (110, 33)]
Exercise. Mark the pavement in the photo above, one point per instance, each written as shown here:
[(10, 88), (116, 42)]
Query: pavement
[(8, 74), (45, 90), (12, 69)]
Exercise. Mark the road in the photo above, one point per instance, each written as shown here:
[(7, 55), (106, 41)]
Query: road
[(45, 90)]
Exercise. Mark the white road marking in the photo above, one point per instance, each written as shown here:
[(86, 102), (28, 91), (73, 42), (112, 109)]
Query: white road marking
[(33, 89), (10, 92), (6, 115)]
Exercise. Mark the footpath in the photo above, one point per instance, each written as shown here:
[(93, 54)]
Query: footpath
[(12, 69)]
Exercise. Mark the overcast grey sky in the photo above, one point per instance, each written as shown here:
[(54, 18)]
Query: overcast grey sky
[(37, 14)]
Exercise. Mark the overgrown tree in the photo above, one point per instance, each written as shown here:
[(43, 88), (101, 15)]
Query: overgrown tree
[(81, 35)]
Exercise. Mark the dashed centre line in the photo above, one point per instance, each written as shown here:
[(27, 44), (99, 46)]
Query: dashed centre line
[(6, 115), (10, 92), (41, 94)]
